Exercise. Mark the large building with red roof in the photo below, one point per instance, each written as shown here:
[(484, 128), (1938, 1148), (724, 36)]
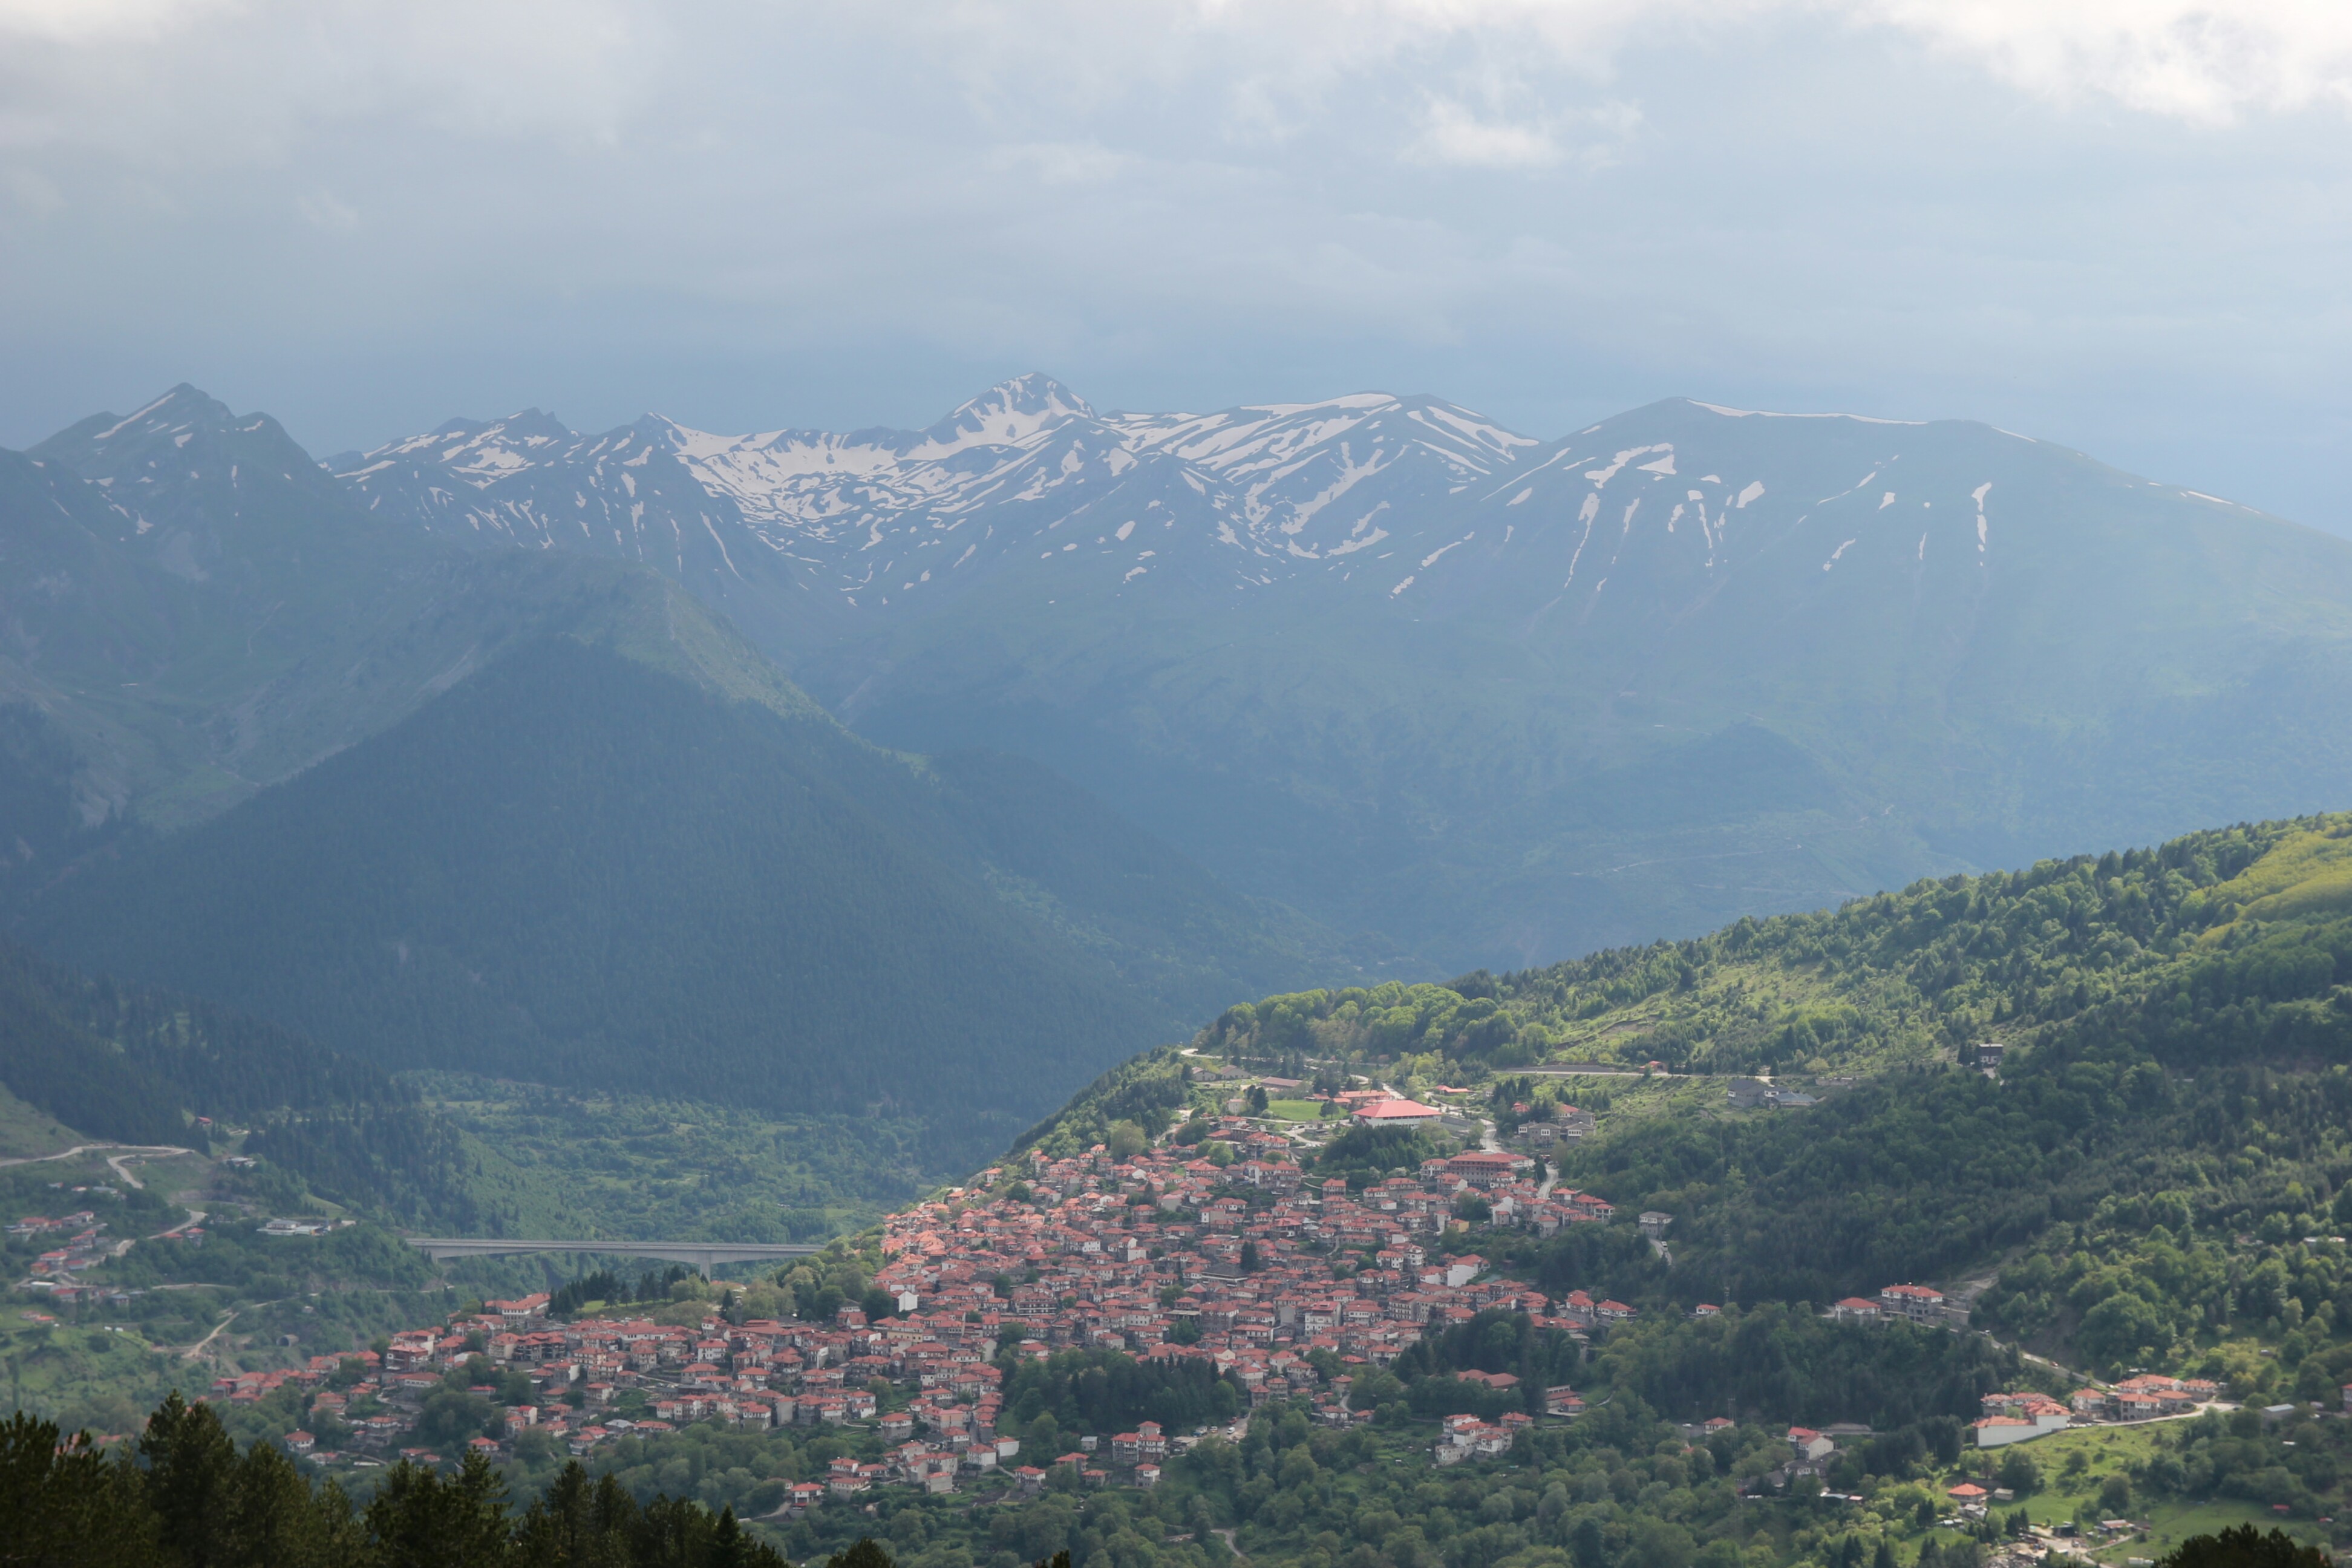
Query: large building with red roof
[(1396, 1112)]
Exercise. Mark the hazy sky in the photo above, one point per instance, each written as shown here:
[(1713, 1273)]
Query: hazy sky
[(2126, 225)]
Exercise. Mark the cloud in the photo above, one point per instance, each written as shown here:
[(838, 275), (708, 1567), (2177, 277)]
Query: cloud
[(324, 209), (2186, 60), (1452, 133), (1455, 134), (155, 83), (2193, 62), (1060, 162), (102, 21)]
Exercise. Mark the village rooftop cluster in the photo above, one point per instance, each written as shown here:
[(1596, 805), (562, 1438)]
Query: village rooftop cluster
[(1281, 1286), (85, 1245), (1246, 1268)]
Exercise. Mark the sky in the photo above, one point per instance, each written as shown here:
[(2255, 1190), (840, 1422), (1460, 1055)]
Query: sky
[(2122, 225)]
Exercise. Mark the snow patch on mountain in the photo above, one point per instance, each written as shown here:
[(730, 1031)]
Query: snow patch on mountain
[(1301, 483), (1768, 414), (1240, 500)]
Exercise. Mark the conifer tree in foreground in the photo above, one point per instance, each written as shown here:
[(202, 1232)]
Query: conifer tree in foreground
[(182, 1497)]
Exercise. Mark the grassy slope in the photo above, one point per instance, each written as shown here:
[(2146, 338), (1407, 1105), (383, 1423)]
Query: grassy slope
[(554, 1162), (29, 1131), (2067, 1491)]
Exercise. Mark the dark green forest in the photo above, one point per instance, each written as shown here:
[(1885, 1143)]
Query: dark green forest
[(1105, 1391), (1777, 1362), (575, 869), (137, 1066)]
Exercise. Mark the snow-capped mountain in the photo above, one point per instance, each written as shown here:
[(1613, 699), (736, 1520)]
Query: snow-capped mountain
[(195, 610), (1376, 657), (1412, 501), (1027, 471), (196, 490)]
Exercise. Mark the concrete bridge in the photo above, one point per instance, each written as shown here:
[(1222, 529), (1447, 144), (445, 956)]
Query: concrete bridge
[(703, 1255)]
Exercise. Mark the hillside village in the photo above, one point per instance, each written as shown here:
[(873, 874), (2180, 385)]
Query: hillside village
[(1221, 1255), (1233, 1272)]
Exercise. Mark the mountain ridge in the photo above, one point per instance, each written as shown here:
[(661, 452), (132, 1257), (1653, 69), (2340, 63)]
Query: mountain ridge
[(213, 647), (1379, 631), (1351, 655), (507, 877)]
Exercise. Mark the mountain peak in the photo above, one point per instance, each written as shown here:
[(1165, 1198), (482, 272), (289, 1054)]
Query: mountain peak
[(1725, 412), (532, 426), (1033, 392), (188, 400), (1010, 411), (184, 407), (105, 443)]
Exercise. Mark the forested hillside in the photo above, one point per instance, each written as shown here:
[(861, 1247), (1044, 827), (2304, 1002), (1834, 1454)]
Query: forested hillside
[(135, 1066), (2220, 946), (575, 869), (579, 867), (2166, 1124), (542, 816)]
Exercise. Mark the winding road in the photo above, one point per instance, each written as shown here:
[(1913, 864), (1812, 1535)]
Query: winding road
[(113, 1161)]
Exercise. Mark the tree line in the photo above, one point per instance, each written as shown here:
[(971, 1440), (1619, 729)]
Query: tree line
[(182, 1496)]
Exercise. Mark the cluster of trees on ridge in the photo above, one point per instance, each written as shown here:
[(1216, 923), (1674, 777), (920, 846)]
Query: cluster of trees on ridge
[(183, 1497), (2243, 932)]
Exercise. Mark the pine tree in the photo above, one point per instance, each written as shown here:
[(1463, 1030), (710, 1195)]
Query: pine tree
[(421, 1519), (66, 1505), (190, 1462)]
